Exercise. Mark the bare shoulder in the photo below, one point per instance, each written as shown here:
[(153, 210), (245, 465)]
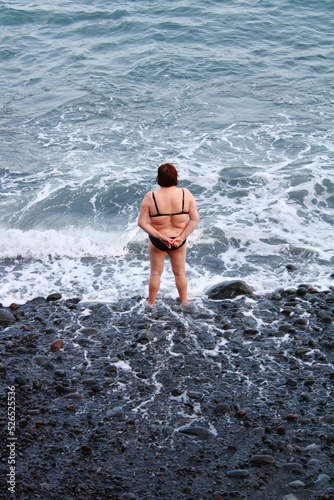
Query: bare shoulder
[(147, 198), (188, 193)]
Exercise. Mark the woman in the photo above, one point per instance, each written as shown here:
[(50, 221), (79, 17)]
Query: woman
[(168, 215)]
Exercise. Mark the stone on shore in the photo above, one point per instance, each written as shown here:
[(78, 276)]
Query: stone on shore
[(6, 317), (263, 460), (229, 290), (53, 297), (56, 345)]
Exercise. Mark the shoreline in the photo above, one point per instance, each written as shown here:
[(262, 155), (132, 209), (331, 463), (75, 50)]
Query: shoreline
[(226, 399)]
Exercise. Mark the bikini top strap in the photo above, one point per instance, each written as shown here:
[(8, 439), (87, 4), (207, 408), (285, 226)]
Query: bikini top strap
[(155, 203)]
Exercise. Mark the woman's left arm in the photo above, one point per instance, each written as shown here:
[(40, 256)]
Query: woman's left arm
[(145, 224)]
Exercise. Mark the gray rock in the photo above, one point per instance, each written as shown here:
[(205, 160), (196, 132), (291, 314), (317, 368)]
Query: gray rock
[(263, 460), (328, 419), (240, 473), (143, 337), (84, 342), (312, 447), (293, 467), (322, 479), (53, 297), (259, 431), (222, 408), (93, 306), (229, 290), (194, 395), (6, 318), (313, 462), (297, 484), (291, 267), (117, 413), (20, 380), (89, 381), (197, 431), (72, 395), (42, 360), (88, 331)]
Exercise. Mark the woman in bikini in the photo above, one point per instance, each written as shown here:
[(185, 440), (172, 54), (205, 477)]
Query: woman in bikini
[(168, 215)]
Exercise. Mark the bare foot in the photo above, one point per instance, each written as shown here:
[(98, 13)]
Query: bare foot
[(186, 304), (151, 306)]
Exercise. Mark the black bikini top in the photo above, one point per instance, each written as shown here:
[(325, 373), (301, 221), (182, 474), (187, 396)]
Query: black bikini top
[(164, 215)]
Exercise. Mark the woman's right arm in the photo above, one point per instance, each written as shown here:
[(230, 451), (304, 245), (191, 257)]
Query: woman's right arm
[(191, 224)]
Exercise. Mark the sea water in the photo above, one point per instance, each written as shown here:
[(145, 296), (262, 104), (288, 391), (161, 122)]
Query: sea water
[(94, 96)]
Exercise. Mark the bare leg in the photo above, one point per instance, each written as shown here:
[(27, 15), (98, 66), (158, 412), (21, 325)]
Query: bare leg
[(178, 262), (157, 260)]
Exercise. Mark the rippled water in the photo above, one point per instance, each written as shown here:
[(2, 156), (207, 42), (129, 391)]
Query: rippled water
[(238, 94)]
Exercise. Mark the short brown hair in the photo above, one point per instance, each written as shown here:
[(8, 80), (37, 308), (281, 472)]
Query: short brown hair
[(167, 175)]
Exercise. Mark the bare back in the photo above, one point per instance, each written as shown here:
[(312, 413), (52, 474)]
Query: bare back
[(169, 209)]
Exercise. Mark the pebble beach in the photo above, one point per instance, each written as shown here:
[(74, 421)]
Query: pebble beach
[(229, 398)]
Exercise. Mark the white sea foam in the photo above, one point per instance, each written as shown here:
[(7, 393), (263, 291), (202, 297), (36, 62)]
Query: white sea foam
[(35, 244)]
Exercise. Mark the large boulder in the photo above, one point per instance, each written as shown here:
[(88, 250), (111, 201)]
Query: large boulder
[(6, 318), (229, 290)]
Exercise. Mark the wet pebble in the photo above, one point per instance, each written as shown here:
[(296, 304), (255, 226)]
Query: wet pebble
[(292, 417), (84, 342), (117, 413), (281, 430), (263, 460), (322, 479), (195, 395), (20, 380), (143, 337), (53, 297), (241, 413), (72, 395), (297, 484), (238, 473), (312, 448), (57, 345), (258, 431), (328, 419), (197, 431), (86, 449), (221, 409), (293, 467), (89, 381), (90, 332), (291, 382), (176, 392), (37, 384)]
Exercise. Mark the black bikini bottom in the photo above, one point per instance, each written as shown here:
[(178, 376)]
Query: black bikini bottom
[(161, 246)]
